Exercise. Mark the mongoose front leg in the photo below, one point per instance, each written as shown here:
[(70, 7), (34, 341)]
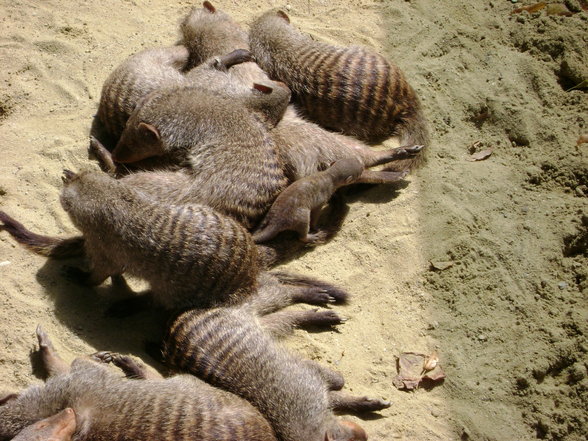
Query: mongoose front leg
[(380, 177), (103, 156), (52, 362), (282, 323), (349, 403), (130, 367)]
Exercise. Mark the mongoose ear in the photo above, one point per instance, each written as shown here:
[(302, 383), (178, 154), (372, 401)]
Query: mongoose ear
[(7, 398), (209, 6), (284, 16), (149, 131), (264, 89)]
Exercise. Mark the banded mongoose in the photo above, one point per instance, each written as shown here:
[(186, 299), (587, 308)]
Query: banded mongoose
[(234, 348), (147, 71), (111, 408), (305, 147), (298, 207), (190, 254), (223, 142), (58, 427), (351, 89), (130, 82)]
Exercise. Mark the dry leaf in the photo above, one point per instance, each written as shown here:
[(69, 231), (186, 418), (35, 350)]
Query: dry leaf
[(583, 139), (558, 9), (530, 9), (413, 369), (431, 362), (439, 265), (481, 155)]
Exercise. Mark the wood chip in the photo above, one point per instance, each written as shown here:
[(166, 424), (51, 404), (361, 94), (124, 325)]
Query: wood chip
[(481, 155), (439, 265)]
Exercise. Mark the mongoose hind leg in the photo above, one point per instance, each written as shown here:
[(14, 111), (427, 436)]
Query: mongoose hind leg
[(380, 177), (52, 362), (378, 157), (334, 380), (282, 323), (343, 402), (278, 290), (131, 367)]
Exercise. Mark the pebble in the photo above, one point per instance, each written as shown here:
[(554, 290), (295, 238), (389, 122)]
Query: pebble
[(482, 337), (562, 285), (6, 262)]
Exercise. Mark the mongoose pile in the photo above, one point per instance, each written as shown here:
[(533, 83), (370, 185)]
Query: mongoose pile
[(206, 150)]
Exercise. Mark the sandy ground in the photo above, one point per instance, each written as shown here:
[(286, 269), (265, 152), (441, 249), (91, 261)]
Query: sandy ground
[(509, 318)]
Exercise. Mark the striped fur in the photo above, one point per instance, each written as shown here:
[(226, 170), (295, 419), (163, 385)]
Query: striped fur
[(352, 89), (190, 254), (110, 408), (304, 147), (130, 82), (227, 348), (232, 160), (234, 348)]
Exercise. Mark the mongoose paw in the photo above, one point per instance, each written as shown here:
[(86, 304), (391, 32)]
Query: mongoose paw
[(103, 356), (327, 318), (43, 338), (322, 296), (76, 275), (314, 239)]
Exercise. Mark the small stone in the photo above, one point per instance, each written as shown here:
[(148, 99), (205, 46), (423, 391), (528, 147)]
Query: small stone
[(482, 337), (562, 285)]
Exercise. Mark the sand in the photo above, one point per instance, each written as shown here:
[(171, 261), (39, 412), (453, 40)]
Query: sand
[(509, 319)]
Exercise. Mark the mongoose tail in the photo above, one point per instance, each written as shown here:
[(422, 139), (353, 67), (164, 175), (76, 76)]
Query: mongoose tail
[(43, 245)]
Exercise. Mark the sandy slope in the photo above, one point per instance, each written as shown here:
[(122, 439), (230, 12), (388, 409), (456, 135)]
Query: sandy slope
[(509, 318)]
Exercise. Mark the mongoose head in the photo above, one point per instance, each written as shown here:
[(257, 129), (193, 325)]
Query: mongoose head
[(140, 140), (59, 427), (270, 101), (85, 193), (207, 32), (345, 431)]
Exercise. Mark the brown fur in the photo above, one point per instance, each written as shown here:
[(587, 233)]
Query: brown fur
[(235, 349), (304, 147), (58, 427), (298, 207), (223, 142), (209, 32), (110, 408), (189, 254), (130, 82), (350, 89)]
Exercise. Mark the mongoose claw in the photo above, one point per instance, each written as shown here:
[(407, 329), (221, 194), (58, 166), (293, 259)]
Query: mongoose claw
[(328, 318), (103, 356), (374, 404)]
